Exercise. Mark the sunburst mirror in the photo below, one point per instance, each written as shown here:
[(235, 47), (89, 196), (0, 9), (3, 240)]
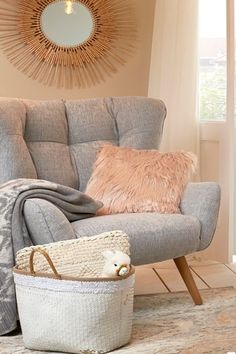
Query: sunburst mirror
[(67, 43)]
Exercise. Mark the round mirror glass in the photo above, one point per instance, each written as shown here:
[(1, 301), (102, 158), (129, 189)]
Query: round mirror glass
[(67, 23)]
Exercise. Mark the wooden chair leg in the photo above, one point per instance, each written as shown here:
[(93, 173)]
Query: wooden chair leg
[(183, 268)]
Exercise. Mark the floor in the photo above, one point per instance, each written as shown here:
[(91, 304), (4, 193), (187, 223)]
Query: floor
[(164, 277)]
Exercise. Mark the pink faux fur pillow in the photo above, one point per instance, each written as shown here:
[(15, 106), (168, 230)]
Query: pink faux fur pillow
[(130, 181)]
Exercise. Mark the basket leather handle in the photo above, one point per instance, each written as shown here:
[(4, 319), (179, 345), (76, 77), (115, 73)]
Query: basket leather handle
[(45, 254)]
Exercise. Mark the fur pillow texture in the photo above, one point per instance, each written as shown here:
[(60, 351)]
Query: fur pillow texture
[(135, 181)]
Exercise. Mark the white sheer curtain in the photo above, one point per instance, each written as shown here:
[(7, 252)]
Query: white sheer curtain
[(174, 78), (174, 71)]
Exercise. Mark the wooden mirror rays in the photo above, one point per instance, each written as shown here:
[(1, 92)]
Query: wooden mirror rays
[(107, 45)]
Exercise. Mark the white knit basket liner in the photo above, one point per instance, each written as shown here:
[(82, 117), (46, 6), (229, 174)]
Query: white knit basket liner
[(75, 316), (82, 287)]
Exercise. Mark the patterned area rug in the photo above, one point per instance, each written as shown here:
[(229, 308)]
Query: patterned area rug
[(171, 324)]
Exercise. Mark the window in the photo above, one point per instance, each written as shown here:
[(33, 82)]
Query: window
[(212, 60)]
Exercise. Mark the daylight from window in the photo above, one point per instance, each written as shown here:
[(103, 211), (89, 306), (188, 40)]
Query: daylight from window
[(212, 60)]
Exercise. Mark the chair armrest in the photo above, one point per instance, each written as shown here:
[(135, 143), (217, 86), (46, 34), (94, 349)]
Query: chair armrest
[(203, 201), (45, 222)]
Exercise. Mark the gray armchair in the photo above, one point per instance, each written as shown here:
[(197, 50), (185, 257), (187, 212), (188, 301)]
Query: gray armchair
[(58, 140)]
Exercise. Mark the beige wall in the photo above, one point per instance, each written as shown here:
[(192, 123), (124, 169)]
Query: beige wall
[(131, 79)]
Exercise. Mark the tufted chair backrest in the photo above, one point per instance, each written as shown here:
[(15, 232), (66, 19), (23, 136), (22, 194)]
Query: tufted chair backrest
[(58, 140)]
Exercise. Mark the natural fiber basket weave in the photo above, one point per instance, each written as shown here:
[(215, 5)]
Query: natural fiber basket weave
[(68, 313), (80, 257)]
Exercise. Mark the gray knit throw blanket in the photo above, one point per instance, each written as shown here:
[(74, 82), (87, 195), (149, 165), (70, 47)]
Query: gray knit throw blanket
[(13, 232)]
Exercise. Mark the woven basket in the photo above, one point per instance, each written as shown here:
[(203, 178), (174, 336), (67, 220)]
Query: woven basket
[(72, 314)]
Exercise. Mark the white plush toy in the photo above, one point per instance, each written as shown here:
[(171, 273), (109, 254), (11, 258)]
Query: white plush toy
[(117, 263)]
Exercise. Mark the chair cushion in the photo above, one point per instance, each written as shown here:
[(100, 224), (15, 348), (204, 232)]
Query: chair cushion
[(46, 135), (58, 140), (153, 237)]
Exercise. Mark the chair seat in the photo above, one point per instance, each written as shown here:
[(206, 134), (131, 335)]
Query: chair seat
[(153, 237)]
